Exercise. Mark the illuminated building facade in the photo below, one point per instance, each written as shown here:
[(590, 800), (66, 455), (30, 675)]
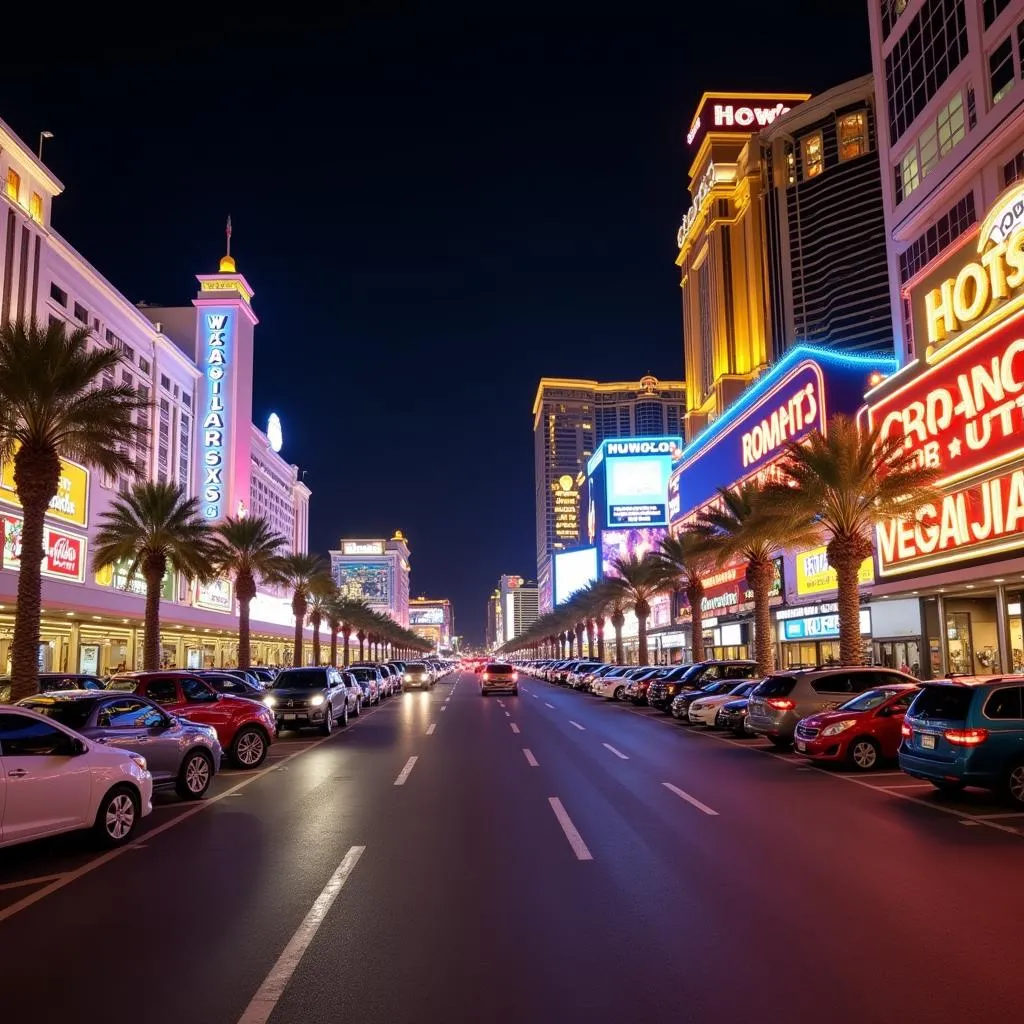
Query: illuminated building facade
[(432, 619), (570, 419), (518, 603), (277, 493), (194, 364), (494, 634), (375, 571)]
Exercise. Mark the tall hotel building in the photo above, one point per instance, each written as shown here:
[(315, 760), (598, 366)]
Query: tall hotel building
[(92, 620), (375, 571), (570, 419)]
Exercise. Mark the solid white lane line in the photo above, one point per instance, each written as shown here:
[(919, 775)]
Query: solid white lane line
[(691, 799), (530, 759), (404, 773), (571, 833), (547, 705), (617, 753), (431, 728), (515, 728), (578, 726), (262, 1005)]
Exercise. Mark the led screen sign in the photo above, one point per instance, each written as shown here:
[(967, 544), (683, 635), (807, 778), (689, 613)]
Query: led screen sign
[(573, 571), (71, 502), (727, 591), (368, 581), (216, 418), (735, 112), (362, 547), (814, 575), (637, 542), (64, 553), (637, 472), (426, 616), (565, 504)]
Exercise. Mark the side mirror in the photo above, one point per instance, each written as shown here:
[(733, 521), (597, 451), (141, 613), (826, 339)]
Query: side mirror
[(78, 747)]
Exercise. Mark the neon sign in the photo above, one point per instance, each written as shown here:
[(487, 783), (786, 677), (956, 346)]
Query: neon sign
[(215, 425), (739, 112)]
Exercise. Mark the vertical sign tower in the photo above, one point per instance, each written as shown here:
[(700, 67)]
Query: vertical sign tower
[(224, 352)]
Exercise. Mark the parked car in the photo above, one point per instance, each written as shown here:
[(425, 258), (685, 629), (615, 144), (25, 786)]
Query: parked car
[(244, 727), (355, 693), (417, 676), (662, 692), (682, 701), (577, 677), (222, 682), (732, 716), (967, 732), (308, 697), (636, 690), (180, 754), (49, 681), (783, 698), (612, 684), (57, 781), (862, 732), (704, 710), (382, 675), (499, 676), (369, 681)]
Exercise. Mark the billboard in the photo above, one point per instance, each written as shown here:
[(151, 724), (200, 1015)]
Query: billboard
[(64, 557), (426, 616), (70, 503), (565, 504), (367, 581), (814, 575), (743, 112), (362, 547), (573, 571), (726, 591), (118, 577), (637, 472), (638, 541)]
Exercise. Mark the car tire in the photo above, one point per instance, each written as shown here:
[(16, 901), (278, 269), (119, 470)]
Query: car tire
[(195, 775), (359, 708), (117, 816), (780, 742), (249, 747), (1013, 783), (344, 714), (947, 788), (328, 727), (618, 692), (863, 754), (515, 692)]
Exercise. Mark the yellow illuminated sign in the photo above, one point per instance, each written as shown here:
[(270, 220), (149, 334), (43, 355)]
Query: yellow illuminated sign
[(71, 502), (566, 502), (815, 576), (232, 284)]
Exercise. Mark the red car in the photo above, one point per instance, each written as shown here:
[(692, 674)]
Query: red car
[(244, 727), (861, 732)]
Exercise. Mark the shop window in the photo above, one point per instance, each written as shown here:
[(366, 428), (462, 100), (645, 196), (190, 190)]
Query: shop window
[(813, 156), (1000, 69), (35, 207), (13, 184), (853, 135)]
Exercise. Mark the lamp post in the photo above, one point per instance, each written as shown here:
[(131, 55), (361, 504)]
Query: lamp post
[(43, 136)]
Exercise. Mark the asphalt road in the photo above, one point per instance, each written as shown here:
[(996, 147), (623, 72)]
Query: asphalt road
[(546, 857)]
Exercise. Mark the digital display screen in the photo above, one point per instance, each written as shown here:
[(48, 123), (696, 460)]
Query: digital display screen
[(638, 490), (573, 571), (638, 541), (370, 582), (426, 616)]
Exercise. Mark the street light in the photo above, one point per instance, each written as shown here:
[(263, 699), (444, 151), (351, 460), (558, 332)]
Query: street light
[(42, 137)]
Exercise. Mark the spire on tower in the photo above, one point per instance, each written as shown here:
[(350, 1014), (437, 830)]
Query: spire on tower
[(227, 263)]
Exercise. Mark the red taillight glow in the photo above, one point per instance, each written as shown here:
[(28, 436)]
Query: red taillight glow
[(966, 737), (905, 730), (781, 703)]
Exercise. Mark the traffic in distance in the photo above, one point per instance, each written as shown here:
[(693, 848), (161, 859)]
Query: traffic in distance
[(87, 753)]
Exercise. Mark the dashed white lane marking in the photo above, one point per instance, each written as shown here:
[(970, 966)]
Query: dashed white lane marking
[(547, 705), (404, 773), (617, 753), (692, 800), (444, 707), (571, 833), (534, 696), (530, 759), (515, 728), (262, 1004), (41, 880), (508, 714), (582, 728), (431, 728)]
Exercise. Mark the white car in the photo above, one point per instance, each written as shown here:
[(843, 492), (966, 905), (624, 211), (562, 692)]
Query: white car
[(52, 780), (611, 683), (703, 710)]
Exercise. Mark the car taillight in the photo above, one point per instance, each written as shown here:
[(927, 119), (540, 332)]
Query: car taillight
[(966, 737), (515, 676), (905, 730), (781, 703)]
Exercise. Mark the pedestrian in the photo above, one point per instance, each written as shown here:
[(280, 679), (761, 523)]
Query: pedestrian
[(905, 669)]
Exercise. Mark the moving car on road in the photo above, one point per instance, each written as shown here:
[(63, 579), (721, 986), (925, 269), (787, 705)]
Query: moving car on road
[(53, 780), (499, 676), (180, 754), (308, 697), (244, 727), (417, 676)]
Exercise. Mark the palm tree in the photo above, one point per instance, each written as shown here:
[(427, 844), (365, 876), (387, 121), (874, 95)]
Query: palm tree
[(593, 604), (848, 482), (637, 581), (299, 572), (352, 613), (749, 523), (321, 593), (247, 549), (616, 600), (333, 615), (156, 526), (54, 405), (686, 562)]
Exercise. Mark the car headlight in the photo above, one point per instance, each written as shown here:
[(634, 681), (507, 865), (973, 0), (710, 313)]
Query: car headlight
[(696, 706), (837, 727), (318, 699), (269, 701), (139, 760)]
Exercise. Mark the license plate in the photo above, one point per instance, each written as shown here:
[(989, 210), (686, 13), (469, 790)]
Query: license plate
[(289, 718), (801, 746), (927, 742)]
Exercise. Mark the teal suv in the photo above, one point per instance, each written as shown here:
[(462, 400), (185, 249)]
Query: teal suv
[(967, 733)]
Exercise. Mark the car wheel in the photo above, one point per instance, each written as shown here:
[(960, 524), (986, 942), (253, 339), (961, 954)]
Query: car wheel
[(864, 754), (117, 816), (344, 714), (780, 742), (249, 747), (328, 727), (617, 694), (359, 708), (515, 692), (483, 692), (195, 775), (946, 788), (1013, 784)]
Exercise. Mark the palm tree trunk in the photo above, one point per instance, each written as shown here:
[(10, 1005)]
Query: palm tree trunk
[(618, 620), (334, 647), (590, 639), (695, 595), (760, 576), (845, 555), (579, 639), (600, 639), (245, 591), (299, 611), (314, 622), (361, 637), (153, 569), (36, 476), (346, 633), (641, 637)]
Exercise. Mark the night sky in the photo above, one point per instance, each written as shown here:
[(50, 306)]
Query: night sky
[(434, 212)]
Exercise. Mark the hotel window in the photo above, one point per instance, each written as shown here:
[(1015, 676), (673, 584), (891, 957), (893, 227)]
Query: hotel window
[(13, 184), (853, 140), (1000, 69), (81, 313), (908, 176), (58, 295), (184, 449), (165, 382), (35, 207), (1013, 170), (937, 139), (991, 10), (143, 365), (126, 378), (128, 352), (813, 158)]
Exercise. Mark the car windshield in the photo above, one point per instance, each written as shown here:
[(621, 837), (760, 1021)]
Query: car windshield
[(362, 674), (498, 668), (415, 667), (867, 701), (943, 701), (300, 679), (742, 689), (72, 713)]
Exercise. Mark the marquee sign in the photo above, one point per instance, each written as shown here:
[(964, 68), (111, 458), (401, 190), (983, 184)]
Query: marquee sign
[(64, 557), (739, 112), (727, 591), (215, 413), (362, 547)]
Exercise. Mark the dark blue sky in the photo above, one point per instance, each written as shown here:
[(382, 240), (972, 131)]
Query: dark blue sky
[(434, 210)]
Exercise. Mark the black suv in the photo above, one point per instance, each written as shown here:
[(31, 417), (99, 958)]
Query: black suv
[(663, 691)]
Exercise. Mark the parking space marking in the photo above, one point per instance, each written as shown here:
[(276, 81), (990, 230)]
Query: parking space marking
[(262, 1004), (431, 728), (905, 785), (530, 759), (547, 705), (692, 800), (404, 773), (41, 880), (581, 728), (515, 728), (617, 753), (571, 832), (1000, 815)]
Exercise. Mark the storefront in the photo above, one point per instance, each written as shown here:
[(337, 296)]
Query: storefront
[(809, 634), (960, 410)]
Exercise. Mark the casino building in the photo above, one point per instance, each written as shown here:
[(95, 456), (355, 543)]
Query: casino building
[(195, 364), (432, 619), (375, 571)]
